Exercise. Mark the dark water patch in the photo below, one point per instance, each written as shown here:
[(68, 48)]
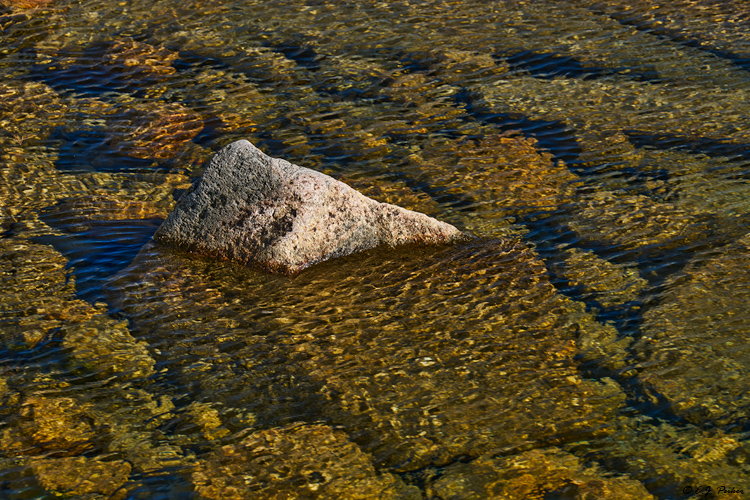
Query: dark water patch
[(305, 56), (210, 133), (656, 263), (91, 150), (86, 76), (638, 176), (742, 61), (552, 135), (120, 66), (20, 32), (548, 65), (696, 145), (190, 60), (45, 356), (640, 180), (172, 484), (274, 147), (551, 238), (99, 249)]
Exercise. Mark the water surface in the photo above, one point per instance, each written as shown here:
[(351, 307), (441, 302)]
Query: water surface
[(590, 342)]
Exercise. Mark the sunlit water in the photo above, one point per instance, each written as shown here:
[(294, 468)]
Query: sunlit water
[(590, 342)]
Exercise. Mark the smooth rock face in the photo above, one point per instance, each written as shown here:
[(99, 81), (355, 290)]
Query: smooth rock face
[(249, 207)]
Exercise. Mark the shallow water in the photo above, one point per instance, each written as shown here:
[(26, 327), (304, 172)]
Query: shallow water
[(590, 341)]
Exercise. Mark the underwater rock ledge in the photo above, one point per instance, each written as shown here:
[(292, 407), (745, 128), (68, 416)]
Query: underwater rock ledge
[(251, 208)]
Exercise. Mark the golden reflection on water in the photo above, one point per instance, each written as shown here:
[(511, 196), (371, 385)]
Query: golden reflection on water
[(589, 341)]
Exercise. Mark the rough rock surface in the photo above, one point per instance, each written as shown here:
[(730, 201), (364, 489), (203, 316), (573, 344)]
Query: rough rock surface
[(249, 207)]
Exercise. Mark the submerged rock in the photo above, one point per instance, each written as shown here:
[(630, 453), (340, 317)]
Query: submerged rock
[(694, 350), (545, 473), (157, 130), (45, 424), (38, 300), (661, 455), (296, 461), (505, 172), (635, 223), (104, 346), (38, 295), (421, 355), (599, 280), (249, 207), (81, 475)]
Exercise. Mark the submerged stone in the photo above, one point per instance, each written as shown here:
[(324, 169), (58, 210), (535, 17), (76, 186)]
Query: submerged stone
[(599, 280), (694, 349), (252, 208), (396, 348), (37, 295), (154, 131), (39, 300), (545, 473), (81, 475), (506, 173), (635, 223), (296, 461), (45, 424), (661, 455), (104, 346)]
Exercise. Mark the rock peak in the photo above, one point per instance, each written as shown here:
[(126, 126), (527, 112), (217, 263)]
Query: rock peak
[(251, 208)]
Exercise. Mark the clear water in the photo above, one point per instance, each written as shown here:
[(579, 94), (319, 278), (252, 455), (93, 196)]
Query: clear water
[(590, 341)]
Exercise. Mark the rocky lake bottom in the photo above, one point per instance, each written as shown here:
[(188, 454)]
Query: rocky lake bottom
[(588, 342)]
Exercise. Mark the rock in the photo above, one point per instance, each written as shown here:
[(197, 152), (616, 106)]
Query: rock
[(296, 461), (104, 346), (599, 280), (661, 455), (252, 208), (505, 172), (59, 425), (132, 418), (81, 475), (488, 372), (636, 223), (39, 299), (157, 130), (694, 350), (38, 295), (140, 58), (546, 473), (205, 418)]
